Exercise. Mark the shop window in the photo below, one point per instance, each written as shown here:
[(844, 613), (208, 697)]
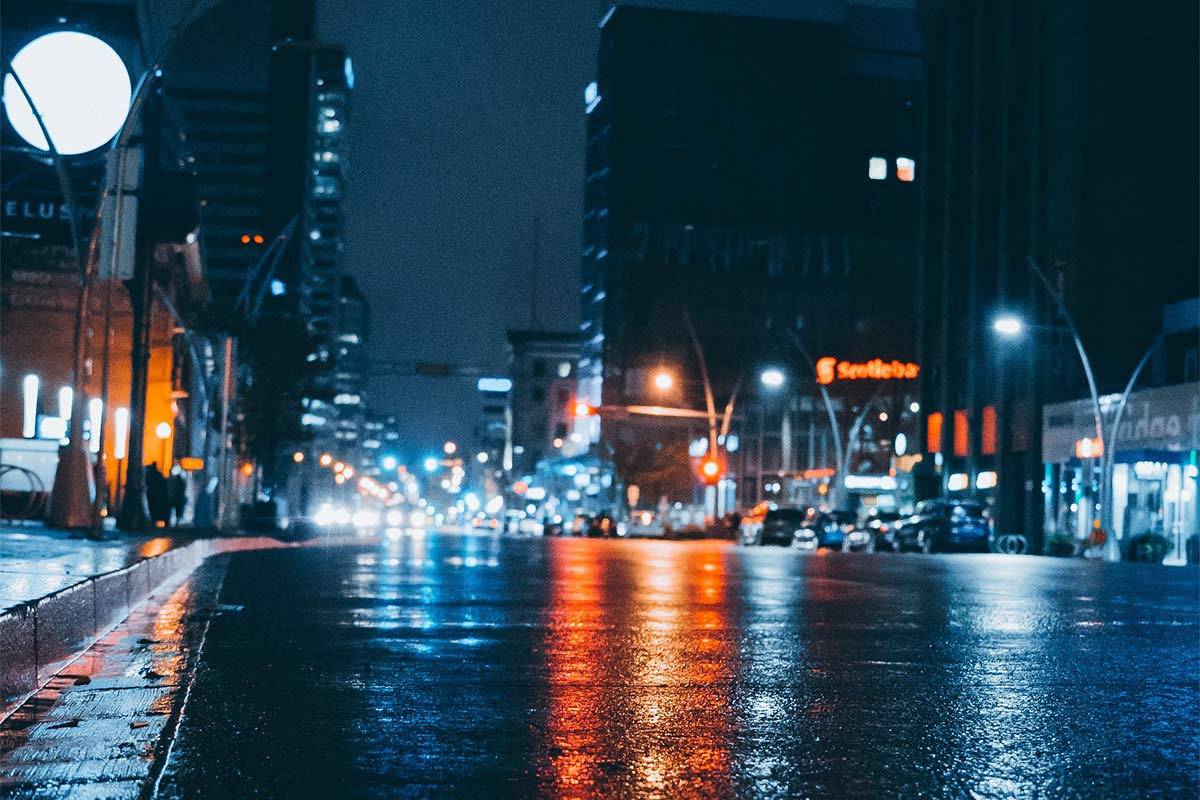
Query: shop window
[(877, 169), (906, 169)]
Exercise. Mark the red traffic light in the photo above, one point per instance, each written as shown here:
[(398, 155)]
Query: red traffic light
[(582, 409), (710, 470)]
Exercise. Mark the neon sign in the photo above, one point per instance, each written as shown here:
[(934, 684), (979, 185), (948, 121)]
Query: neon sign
[(830, 369)]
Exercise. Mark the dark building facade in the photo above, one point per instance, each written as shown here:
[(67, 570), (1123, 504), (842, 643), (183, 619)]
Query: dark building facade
[(1065, 133), (755, 177)]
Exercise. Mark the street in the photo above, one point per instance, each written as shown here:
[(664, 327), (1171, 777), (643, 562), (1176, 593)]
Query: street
[(464, 665)]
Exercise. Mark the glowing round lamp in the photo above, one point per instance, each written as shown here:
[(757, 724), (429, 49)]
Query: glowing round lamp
[(772, 378), (80, 86), (163, 430)]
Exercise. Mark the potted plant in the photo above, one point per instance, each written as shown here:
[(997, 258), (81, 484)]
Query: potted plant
[(1060, 545), (1149, 547)]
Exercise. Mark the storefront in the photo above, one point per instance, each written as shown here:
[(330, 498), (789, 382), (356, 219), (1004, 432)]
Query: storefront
[(1155, 467)]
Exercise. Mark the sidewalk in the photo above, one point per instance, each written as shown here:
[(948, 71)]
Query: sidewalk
[(36, 561)]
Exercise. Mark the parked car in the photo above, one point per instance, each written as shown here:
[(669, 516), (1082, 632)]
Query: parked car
[(643, 523), (878, 532), (750, 525), (781, 524), (944, 525), (829, 527)]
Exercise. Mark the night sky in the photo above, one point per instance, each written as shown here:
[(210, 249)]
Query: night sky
[(467, 128)]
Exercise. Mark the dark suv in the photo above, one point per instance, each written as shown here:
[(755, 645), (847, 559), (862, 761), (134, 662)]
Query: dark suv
[(944, 525), (829, 527), (774, 526)]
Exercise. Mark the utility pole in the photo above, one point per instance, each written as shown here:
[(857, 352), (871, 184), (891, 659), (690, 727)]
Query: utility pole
[(534, 275), (134, 515)]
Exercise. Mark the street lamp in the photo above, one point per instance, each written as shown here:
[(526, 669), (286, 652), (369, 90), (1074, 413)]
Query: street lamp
[(1111, 553), (1008, 326), (163, 432), (449, 448), (663, 380), (772, 378), (82, 108)]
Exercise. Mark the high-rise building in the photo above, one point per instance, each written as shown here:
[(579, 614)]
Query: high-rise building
[(753, 178), (306, 172), (1064, 133), (264, 110), (541, 366), (349, 354), (219, 88)]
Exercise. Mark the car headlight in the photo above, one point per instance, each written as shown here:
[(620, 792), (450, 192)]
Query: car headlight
[(858, 537)]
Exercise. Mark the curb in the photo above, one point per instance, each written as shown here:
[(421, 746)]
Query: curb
[(39, 637)]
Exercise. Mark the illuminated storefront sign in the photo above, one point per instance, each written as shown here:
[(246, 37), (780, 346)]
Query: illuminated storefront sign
[(830, 369)]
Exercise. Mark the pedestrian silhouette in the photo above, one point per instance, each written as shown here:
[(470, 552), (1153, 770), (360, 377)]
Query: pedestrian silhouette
[(157, 494)]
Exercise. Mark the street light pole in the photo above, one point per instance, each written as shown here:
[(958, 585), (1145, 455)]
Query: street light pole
[(1112, 548), (1091, 379), (833, 421), (74, 489)]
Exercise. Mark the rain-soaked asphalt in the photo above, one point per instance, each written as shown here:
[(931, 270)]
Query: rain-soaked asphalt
[(448, 665)]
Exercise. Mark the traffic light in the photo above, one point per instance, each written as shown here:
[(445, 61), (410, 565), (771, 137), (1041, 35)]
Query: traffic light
[(582, 409), (710, 471)]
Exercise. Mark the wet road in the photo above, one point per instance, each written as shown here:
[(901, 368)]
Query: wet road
[(442, 665)]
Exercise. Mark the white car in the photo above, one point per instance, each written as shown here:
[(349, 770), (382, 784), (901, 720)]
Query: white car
[(642, 523)]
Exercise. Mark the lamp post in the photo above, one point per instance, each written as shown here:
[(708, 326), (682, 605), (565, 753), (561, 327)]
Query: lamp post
[(72, 496), (163, 432), (1112, 548), (834, 427), (1011, 326)]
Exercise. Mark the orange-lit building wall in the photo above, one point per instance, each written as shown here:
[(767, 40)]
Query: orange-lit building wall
[(37, 319)]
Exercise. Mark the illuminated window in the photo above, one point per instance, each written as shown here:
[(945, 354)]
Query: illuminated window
[(933, 433), (962, 439), (877, 168), (906, 169), (988, 432)]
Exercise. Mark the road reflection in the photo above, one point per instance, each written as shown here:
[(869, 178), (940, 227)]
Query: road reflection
[(639, 658)]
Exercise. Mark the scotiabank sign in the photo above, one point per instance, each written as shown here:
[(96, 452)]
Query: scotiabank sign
[(830, 369)]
